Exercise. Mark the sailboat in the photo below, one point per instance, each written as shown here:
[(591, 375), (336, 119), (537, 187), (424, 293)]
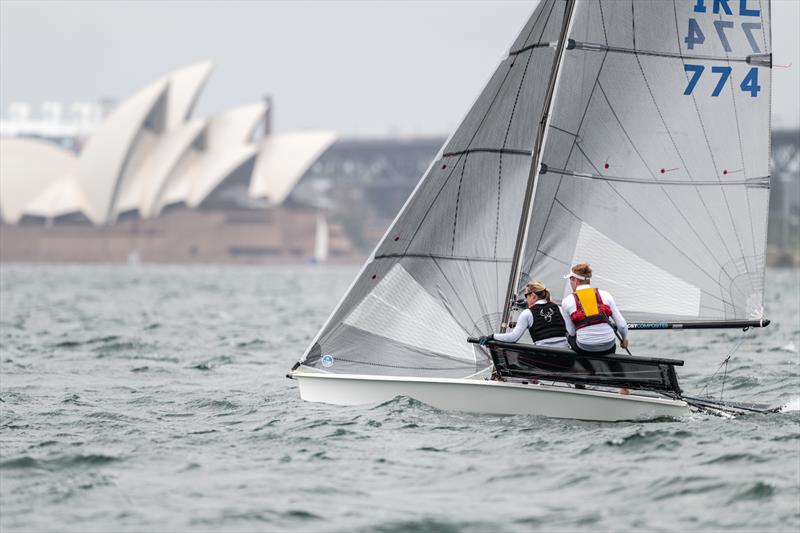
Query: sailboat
[(630, 134), (321, 239)]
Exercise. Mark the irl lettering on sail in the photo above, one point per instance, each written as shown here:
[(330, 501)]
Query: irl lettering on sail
[(723, 6), (696, 38)]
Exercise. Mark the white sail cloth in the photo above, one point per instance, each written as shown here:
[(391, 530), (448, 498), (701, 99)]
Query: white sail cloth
[(658, 179), (654, 169)]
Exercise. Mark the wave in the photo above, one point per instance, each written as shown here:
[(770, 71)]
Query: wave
[(214, 405), (425, 525), (73, 343), (736, 458), (757, 491), (791, 406), (660, 439), (66, 461), (213, 363)]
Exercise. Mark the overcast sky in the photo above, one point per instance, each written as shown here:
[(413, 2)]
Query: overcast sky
[(360, 68)]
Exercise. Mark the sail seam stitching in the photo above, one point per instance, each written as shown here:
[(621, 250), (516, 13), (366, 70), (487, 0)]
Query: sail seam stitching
[(458, 199), (507, 151), (505, 141), (444, 257), (603, 21)]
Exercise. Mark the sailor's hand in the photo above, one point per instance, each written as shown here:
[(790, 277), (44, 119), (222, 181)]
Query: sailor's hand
[(482, 341), (624, 344)]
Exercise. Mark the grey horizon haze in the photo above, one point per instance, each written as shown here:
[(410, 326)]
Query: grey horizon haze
[(359, 68)]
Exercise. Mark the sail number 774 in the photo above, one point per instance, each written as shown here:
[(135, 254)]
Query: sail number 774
[(748, 84)]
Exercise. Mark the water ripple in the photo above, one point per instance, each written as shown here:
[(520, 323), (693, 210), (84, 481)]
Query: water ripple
[(154, 398)]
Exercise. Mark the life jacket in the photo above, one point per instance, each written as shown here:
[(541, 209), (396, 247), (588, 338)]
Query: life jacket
[(547, 322), (589, 308)]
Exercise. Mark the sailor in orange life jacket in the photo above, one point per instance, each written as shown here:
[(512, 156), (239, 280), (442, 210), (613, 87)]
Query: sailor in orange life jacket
[(586, 315), (543, 319)]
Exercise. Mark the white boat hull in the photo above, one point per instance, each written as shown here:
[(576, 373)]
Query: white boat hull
[(484, 396)]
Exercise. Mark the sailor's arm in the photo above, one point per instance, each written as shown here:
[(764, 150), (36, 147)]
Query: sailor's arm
[(524, 321), (619, 320)]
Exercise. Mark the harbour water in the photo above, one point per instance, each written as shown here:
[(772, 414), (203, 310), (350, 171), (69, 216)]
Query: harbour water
[(154, 398)]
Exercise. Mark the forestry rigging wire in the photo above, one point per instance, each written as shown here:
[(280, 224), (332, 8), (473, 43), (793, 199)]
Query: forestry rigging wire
[(724, 363)]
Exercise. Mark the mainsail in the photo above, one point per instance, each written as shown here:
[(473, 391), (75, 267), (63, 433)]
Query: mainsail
[(656, 166), (654, 169)]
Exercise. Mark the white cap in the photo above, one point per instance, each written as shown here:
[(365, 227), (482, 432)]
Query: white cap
[(572, 274)]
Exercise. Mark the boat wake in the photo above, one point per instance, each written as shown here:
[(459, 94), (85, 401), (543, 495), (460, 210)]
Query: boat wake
[(791, 406)]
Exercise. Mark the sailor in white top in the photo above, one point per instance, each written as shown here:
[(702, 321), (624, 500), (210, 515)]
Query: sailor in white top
[(547, 328), (588, 326)]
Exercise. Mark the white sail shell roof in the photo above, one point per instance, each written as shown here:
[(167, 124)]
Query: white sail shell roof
[(210, 171), (101, 165), (156, 152), (224, 148), (201, 173), (63, 197), (235, 126), (282, 161), (27, 168), (146, 156), (184, 89), (127, 157), (148, 179)]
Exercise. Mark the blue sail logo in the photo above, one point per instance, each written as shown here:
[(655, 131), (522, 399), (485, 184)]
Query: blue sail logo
[(327, 360)]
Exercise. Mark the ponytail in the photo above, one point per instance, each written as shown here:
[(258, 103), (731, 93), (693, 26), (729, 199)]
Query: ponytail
[(544, 295)]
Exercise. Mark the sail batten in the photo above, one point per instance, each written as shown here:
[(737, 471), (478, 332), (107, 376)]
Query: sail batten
[(760, 182), (597, 47)]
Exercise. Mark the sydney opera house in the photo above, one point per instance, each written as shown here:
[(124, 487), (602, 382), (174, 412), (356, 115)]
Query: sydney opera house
[(153, 182)]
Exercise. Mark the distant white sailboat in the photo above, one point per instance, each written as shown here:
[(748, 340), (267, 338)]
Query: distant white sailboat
[(321, 239), (632, 134)]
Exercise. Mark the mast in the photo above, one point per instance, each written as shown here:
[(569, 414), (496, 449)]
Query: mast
[(533, 176)]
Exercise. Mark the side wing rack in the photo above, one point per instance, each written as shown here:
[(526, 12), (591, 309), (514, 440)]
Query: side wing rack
[(714, 324), (528, 361)]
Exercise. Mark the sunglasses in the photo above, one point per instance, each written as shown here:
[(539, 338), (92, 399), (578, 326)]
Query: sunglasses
[(528, 294)]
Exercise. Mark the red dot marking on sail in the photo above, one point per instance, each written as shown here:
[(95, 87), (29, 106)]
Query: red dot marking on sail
[(725, 172), (396, 239), (374, 276), (606, 165), (444, 167), (663, 170)]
